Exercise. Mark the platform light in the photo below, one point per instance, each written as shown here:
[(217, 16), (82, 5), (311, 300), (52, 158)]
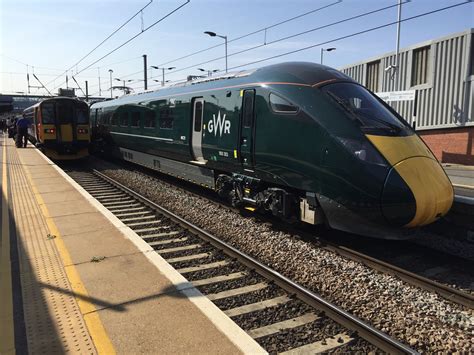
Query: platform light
[(326, 50), (163, 81), (213, 34)]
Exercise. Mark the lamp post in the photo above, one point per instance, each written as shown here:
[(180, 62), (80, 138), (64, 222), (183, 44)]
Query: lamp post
[(163, 73), (110, 72), (213, 34), (209, 72), (326, 50), (125, 89)]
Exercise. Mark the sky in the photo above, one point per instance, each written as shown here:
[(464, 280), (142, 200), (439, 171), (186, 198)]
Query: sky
[(50, 37)]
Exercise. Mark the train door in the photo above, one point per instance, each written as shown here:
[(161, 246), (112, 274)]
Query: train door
[(36, 124), (196, 137), (65, 121), (247, 123)]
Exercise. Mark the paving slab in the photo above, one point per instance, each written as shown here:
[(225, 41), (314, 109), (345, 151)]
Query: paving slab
[(143, 305), (113, 244)]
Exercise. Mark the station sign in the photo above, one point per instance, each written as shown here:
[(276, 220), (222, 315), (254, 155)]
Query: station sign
[(407, 95)]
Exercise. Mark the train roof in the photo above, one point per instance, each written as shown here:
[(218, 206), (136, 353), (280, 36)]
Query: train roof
[(295, 73), (54, 98)]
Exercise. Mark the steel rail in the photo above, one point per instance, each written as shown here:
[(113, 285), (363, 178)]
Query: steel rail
[(444, 291), (449, 293), (381, 340)]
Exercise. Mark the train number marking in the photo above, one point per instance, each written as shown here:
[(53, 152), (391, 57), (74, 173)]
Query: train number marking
[(219, 125)]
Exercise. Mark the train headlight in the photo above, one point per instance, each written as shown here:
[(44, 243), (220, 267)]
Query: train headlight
[(363, 150)]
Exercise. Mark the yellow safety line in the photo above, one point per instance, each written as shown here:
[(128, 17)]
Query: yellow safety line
[(91, 317), (7, 332)]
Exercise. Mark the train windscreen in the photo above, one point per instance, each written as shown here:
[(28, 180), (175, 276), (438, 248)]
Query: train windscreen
[(65, 111), (47, 113), (82, 114), (366, 110)]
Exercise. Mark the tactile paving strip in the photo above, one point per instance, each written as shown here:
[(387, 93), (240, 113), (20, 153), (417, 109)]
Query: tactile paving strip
[(54, 323)]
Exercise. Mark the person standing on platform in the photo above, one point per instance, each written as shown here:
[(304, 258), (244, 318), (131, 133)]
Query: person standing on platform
[(22, 132)]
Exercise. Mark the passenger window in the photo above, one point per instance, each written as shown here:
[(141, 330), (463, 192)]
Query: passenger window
[(124, 119), (149, 119), (198, 116), (248, 108), (280, 104), (166, 118), (135, 119), (114, 119)]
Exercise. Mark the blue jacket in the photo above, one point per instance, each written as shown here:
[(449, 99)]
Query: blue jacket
[(23, 123)]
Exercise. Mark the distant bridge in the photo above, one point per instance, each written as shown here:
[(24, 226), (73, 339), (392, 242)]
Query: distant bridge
[(16, 103)]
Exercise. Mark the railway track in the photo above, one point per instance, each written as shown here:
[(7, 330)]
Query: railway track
[(281, 315), (351, 252)]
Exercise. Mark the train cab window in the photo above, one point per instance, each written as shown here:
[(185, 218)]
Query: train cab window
[(281, 105), (82, 115), (149, 119), (64, 111), (364, 108), (124, 119), (47, 113), (166, 118), (135, 119), (248, 108)]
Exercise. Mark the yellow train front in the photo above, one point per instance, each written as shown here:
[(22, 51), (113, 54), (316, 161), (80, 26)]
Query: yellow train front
[(60, 127)]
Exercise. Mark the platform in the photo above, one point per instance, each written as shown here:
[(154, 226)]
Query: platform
[(75, 279), (462, 178)]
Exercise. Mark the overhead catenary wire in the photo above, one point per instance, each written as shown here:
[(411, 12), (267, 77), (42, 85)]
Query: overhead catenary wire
[(277, 40), (132, 38), (101, 43), (354, 34), (347, 19), (253, 32), (345, 36)]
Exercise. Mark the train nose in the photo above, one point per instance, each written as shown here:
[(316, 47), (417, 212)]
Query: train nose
[(416, 192)]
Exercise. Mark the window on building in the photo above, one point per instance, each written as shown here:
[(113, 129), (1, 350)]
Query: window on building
[(149, 119), (372, 82), (124, 119), (420, 63), (135, 119), (472, 56), (166, 118), (280, 104)]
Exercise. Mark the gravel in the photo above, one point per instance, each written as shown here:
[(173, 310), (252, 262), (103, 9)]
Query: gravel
[(419, 318)]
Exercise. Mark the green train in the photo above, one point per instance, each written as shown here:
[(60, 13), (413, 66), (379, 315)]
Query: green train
[(300, 140)]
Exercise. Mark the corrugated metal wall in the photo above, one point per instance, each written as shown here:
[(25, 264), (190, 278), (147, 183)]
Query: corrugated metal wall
[(441, 72)]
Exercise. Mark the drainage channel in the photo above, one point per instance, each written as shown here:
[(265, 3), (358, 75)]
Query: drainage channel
[(282, 316)]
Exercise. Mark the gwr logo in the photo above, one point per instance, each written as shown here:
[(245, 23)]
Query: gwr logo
[(218, 125)]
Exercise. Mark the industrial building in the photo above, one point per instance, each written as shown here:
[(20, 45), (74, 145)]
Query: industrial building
[(433, 89)]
